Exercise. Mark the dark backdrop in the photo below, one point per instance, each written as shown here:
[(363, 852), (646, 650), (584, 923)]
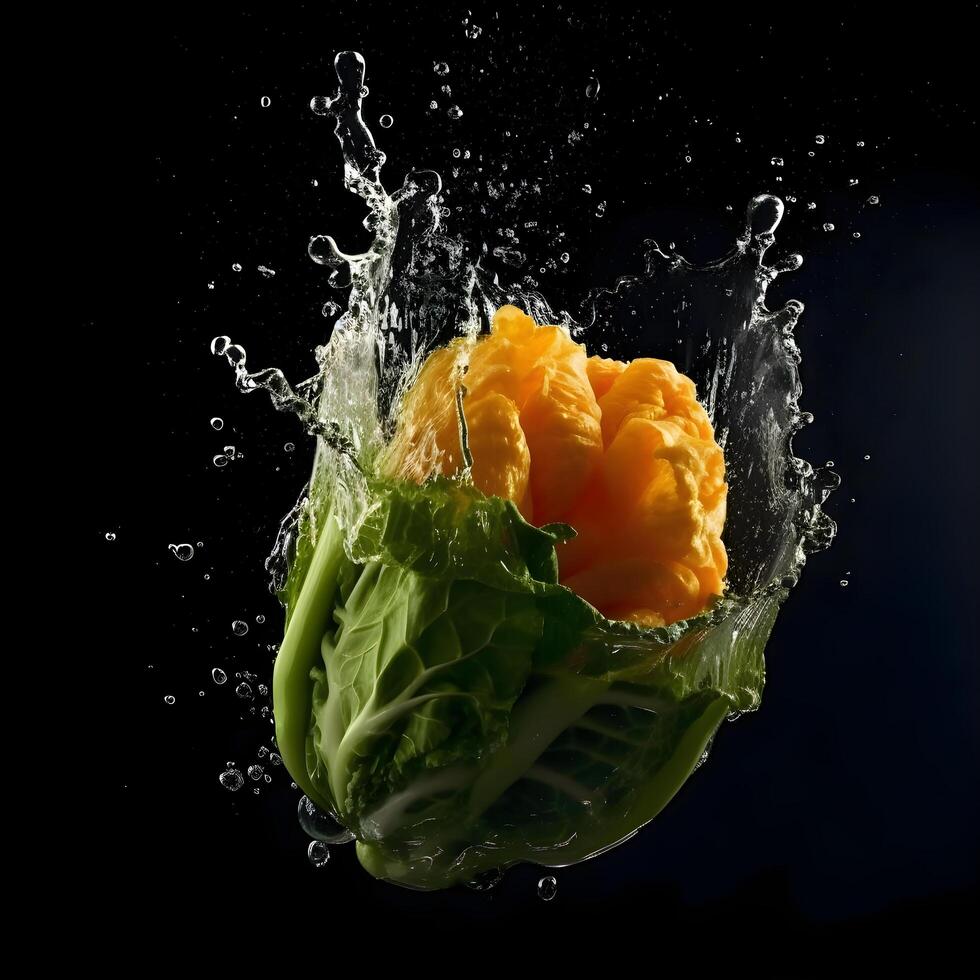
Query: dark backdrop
[(846, 808)]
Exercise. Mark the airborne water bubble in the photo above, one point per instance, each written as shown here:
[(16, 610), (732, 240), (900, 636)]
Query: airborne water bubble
[(547, 888), (318, 853), (386, 121), (218, 675), (231, 780), (182, 552), (239, 627)]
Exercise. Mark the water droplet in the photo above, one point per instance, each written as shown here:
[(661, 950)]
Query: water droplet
[(565, 256), (260, 618), (455, 112), (110, 535), (265, 102), (856, 234), (433, 104), (811, 206), (232, 780), (220, 460), (687, 159), (776, 161), (828, 226), (219, 345), (218, 675), (266, 271), (853, 182), (844, 583), (170, 699), (244, 690), (874, 199), (239, 627), (183, 552), (255, 773), (547, 888), (821, 140), (473, 31), (867, 456), (386, 121), (456, 153), (440, 68), (217, 423), (859, 143), (289, 447), (236, 267), (592, 88), (318, 853), (320, 104)]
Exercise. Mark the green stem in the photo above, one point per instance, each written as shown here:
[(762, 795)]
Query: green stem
[(292, 685)]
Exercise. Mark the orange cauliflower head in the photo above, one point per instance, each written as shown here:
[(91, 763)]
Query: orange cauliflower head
[(621, 451)]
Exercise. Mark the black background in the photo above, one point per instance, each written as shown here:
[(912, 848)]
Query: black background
[(845, 810)]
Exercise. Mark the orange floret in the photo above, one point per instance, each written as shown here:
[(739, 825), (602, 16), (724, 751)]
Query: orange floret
[(622, 452)]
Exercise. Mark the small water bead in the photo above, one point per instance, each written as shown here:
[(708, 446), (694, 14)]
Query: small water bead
[(182, 552), (170, 699), (856, 234), (777, 161), (433, 104), (456, 153), (473, 31), (365, 91), (821, 140), (859, 143), (260, 618), (289, 447), (440, 68), (255, 773), (217, 423), (263, 690), (592, 88), (265, 102), (244, 690), (587, 188), (446, 90), (828, 226), (232, 780), (547, 888), (874, 199), (210, 285), (239, 627), (564, 257), (386, 121), (218, 675), (200, 694), (867, 456), (844, 583), (687, 159), (236, 267), (266, 271), (455, 112), (318, 853), (275, 758), (320, 104), (207, 577), (219, 345), (853, 182), (811, 206), (110, 535)]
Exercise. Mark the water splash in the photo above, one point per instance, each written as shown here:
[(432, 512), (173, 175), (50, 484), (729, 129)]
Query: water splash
[(415, 288)]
